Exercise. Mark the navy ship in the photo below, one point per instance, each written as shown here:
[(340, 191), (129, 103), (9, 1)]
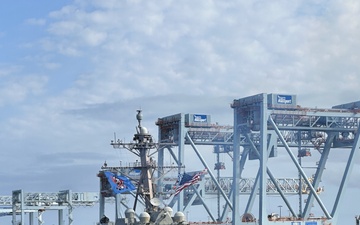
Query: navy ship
[(116, 181)]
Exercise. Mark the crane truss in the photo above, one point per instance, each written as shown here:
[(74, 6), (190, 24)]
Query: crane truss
[(289, 186), (257, 122), (263, 118), (38, 202)]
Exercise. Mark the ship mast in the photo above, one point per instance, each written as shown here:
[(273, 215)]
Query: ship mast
[(143, 144)]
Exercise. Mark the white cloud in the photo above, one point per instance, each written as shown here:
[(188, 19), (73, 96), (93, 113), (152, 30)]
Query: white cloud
[(15, 90), (6, 70), (253, 60), (36, 22)]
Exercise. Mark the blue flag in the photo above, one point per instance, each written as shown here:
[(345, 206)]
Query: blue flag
[(119, 184)]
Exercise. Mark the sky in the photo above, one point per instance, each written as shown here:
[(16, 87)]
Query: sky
[(74, 72)]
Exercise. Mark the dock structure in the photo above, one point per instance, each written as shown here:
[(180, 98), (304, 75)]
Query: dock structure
[(265, 122), (25, 206), (266, 125)]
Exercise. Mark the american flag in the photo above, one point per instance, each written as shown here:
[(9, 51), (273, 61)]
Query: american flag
[(188, 180)]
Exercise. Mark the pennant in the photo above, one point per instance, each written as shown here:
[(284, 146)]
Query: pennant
[(188, 180), (119, 184)]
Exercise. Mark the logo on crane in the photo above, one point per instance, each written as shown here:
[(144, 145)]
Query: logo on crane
[(284, 99), (200, 118)]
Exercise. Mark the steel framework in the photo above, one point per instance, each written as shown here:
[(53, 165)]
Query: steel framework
[(182, 129), (289, 186), (261, 118), (32, 203), (263, 124)]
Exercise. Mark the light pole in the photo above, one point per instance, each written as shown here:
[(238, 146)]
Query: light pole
[(280, 210)]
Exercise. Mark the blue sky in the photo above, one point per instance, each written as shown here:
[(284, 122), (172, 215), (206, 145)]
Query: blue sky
[(74, 72)]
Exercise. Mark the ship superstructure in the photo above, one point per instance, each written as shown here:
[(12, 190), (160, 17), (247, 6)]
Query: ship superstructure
[(145, 193)]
